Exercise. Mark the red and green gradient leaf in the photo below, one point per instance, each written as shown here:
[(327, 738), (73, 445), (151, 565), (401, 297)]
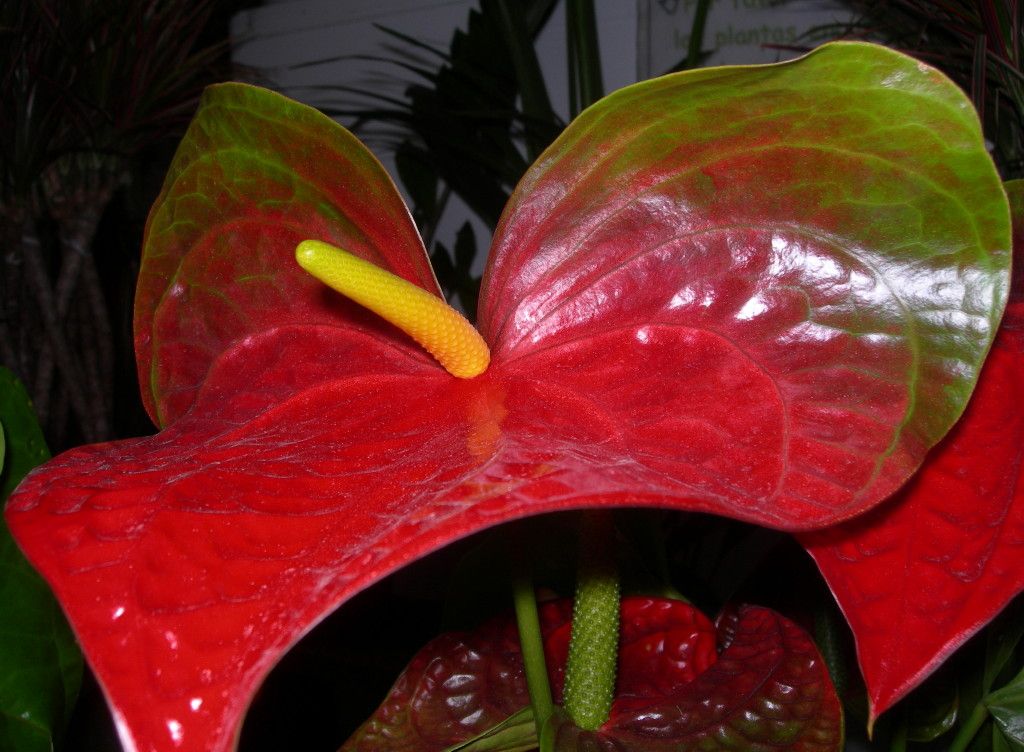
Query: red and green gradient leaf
[(757, 292), (921, 574), (768, 687), (256, 175), (802, 237)]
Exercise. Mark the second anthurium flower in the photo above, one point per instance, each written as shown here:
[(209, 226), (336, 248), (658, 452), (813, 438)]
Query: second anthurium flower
[(768, 688), (757, 292)]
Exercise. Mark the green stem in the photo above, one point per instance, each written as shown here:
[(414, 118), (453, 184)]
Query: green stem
[(532, 644), (585, 66), (532, 89), (898, 743), (593, 649), (700, 18), (970, 728)]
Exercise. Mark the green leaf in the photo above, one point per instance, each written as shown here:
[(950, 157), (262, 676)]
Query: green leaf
[(1007, 708), (1003, 637), (22, 439), (832, 640), (536, 102), (585, 79), (40, 664), (465, 247), (515, 734), (934, 715), (419, 179), (695, 50), (1000, 743), (468, 286)]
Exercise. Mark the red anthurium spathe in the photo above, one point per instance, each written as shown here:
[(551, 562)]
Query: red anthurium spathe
[(768, 687), (920, 575), (760, 292)]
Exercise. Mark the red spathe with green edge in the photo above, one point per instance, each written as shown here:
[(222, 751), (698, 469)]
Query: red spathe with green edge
[(759, 292), (922, 573)]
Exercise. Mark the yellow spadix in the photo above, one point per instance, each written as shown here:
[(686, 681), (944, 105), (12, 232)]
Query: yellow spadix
[(436, 326)]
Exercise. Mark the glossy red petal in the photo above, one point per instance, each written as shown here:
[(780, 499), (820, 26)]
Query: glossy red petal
[(920, 575), (256, 174), (190, 561), (315, 461), (810, 228)]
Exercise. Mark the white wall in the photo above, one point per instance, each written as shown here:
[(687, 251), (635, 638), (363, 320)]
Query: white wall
[(280, 40)]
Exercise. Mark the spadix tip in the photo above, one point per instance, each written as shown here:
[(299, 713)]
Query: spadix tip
[(427, 318)]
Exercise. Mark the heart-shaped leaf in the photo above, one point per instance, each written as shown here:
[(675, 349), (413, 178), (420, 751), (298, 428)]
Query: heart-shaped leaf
[(460, 685), (785, 355), (921, 574)]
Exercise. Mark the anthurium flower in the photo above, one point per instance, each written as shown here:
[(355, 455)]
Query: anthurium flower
[(762, 292), (769, 686)]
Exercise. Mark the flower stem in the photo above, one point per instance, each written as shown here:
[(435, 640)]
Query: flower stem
[(898, 743), (594, 647), (970, 728), (531, 642)]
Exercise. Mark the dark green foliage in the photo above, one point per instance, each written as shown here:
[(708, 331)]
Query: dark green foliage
[(40, 664), (91, 89)]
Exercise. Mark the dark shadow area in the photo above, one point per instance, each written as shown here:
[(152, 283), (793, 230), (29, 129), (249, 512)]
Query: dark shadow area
[(337, 676)]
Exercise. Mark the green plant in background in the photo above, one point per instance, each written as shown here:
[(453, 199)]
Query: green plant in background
[(471, 123), (477, 114), (475, 117), (40, 664), (88, 86)]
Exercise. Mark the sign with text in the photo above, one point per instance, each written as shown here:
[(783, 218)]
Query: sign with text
[(737, 32)]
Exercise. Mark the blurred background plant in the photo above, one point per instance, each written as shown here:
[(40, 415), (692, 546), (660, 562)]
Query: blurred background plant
[(95, 94), (472, 120), (476, 115)]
